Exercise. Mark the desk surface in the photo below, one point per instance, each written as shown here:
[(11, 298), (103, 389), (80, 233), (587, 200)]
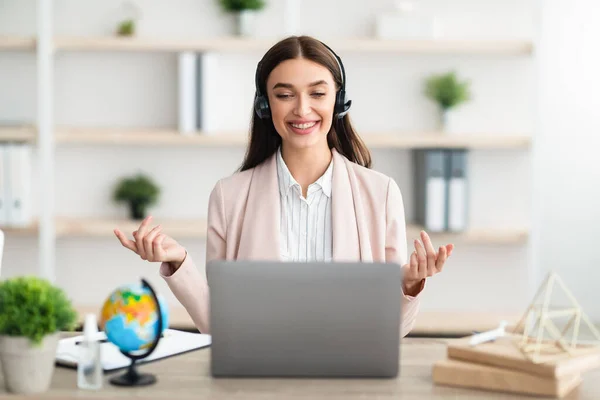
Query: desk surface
[(187, 376)]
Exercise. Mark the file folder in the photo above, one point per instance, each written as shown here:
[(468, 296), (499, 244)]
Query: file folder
[(457, 191), (431, 188), (187, 93), (3, 184), (19, 184)]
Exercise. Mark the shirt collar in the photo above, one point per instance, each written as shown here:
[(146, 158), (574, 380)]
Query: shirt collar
[(287, 181)]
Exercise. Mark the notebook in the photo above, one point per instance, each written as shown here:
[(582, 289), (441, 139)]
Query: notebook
[(173, 342)]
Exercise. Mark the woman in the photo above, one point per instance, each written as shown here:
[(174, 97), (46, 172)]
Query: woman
[(304, 191)]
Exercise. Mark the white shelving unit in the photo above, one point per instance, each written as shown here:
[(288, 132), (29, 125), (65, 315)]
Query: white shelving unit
[(47, 137)]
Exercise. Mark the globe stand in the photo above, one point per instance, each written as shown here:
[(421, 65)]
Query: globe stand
[(132, 377)]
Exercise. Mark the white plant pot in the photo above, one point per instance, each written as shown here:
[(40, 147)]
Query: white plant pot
[(27, 368), (244, 23), (448, 121)]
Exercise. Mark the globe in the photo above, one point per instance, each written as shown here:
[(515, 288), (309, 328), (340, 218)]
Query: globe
[(129, 317)]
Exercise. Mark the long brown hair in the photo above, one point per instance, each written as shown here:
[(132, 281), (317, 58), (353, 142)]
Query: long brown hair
[(264, 139)]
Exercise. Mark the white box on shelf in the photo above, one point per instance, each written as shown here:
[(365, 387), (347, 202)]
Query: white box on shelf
[(406, 26)]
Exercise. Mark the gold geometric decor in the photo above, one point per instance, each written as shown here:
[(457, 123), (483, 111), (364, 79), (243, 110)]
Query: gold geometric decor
[(541, 318)]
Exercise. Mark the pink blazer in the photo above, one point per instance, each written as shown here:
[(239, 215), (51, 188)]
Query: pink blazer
[(243, 223)]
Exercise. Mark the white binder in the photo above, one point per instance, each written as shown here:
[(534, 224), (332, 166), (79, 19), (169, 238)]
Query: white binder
[(431, 189), (207, 91), (19, 184), (457, 191), (3, 184), (187, 92)]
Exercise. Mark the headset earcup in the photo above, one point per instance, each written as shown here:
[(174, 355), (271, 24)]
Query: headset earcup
[(342, 105), (261, 107)]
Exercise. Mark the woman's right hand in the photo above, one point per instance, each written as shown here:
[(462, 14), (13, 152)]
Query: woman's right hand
[(152, 245)]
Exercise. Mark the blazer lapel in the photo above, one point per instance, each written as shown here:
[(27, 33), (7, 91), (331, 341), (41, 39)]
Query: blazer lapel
[(344, 222), (259, 238)]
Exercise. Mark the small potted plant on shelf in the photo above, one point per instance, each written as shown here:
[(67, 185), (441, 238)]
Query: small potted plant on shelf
[(33, 313), (139, 192), (129, 15), (448, 92), (126, 28), (245, 12)]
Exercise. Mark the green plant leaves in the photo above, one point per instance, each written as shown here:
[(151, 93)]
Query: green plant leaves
[(447, 90), (139, 189), (32, 307), (240, 5)]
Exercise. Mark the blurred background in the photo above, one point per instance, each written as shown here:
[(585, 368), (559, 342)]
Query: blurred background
[(483, 111)]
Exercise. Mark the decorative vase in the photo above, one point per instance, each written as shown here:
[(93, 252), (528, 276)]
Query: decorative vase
[(244, 22), (448, 121), (137, 210), (28, 368)]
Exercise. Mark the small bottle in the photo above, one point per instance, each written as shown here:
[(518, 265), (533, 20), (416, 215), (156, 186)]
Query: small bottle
[(89, 366)]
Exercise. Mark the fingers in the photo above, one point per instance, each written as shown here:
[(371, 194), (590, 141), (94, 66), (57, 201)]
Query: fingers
[(157, 249), (414, 263), (148, 242), (441, 259), (449, 248), (130, 244), (431, 254), (139, 237), (422, 259)]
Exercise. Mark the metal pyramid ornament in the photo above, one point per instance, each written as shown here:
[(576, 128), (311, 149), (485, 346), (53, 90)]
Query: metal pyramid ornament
[(540, 319)]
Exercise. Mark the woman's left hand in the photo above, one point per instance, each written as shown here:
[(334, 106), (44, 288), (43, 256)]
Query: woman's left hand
[(424, 262)]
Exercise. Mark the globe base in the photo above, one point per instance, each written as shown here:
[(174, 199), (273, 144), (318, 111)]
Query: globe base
[(133, 378)]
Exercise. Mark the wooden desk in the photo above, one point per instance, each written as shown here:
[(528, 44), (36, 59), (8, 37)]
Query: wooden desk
[(188, 377)]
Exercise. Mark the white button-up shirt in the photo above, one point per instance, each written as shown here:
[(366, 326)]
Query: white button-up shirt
[(305, 232)]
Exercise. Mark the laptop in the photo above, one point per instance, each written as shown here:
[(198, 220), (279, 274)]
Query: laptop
[(316, 319)]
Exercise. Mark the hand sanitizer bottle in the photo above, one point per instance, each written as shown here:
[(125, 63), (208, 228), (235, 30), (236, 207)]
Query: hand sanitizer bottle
[(89, 366)]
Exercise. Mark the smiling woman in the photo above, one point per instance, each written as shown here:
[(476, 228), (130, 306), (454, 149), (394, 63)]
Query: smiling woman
[(301, 103), (304, 192)]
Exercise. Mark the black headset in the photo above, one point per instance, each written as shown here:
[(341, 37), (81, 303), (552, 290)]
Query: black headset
[(342, 104)]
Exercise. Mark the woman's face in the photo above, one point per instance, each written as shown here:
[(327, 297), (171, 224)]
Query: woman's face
[(302, 98)]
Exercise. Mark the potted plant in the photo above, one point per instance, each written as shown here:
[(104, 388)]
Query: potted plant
[(448, 92), (33, 313), (126, 28), (139, 192), (129, 14), (244, 11)]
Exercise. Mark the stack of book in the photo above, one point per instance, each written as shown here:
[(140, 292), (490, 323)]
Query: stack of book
[(501, 366)]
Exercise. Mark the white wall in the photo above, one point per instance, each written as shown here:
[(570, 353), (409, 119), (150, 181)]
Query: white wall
[(567, 170), (139, 90)]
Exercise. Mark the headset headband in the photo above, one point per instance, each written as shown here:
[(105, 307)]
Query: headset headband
[(337, 59)]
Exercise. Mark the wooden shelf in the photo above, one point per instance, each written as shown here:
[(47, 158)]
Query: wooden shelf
[(17, 134), (224, 44), (32, 229), (104, 227), (428, 323), (196, 228), (453, 323), (441, 140), (17, 43), (508, 47), (150, 137), (145, 137), (477, 236)]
